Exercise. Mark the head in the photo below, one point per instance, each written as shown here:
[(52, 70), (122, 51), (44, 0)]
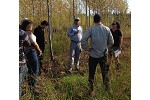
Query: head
[(97, 18), (27, 25), (44, 24), (23, 19), (77, 21), (115, 25)]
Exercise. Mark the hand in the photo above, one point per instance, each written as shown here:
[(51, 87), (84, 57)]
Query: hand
[(76, 32), (45, 42), (40, 53)]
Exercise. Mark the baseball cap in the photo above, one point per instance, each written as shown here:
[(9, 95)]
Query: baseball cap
[(77, 19), (23, 19)]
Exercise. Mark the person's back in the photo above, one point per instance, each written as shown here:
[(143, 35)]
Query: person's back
[(99, 35), (100, 38)]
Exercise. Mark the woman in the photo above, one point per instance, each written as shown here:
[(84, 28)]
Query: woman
[(117, 35), (31, 53)]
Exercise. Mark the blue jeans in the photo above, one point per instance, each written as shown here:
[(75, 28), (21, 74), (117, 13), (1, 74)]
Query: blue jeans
[(33, 66), (22, 72)]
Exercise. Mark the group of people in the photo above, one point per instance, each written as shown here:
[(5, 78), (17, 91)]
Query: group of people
[(103, 42), (31, 50)]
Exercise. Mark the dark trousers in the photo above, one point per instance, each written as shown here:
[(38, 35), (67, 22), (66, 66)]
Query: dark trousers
[(41, 59), (92, 68)]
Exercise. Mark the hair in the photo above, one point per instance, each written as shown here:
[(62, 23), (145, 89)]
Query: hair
[(25, 24), (44, 23), (97, 18), (117, 23)]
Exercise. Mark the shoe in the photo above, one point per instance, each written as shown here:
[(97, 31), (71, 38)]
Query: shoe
[(76, 69), (92, 93), (118, 66), (108, 90), (70, 69)]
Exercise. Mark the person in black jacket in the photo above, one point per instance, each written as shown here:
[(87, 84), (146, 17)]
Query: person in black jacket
[(39, 33)]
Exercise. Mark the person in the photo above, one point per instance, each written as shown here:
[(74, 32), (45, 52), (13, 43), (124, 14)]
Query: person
[(118, 37), (23, 19), (39, 33), (100, 38), (31, 55), (23, 41), (75, 34)]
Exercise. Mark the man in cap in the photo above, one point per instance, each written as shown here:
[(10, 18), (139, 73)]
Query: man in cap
[(39, 33), (100, 38), (75, 34), (23, 19)]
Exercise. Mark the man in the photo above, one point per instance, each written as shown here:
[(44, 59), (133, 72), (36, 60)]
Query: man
[(118, 38), (40, 39), (75, 34), (23, 41), (100, 38)]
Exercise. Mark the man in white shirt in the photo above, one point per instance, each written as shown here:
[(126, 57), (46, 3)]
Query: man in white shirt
[(75, 34)]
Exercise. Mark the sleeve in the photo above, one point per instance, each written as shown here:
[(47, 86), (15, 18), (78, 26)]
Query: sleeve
[(70, 32), (36, 32), (26, 37), (80, 28), (84, 41), (110, 40), (32, 38), (120, 33)]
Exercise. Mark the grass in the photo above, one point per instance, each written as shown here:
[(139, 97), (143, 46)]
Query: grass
[(55, 84)]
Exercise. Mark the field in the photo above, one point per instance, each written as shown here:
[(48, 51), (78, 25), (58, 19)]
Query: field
[(56, 84)]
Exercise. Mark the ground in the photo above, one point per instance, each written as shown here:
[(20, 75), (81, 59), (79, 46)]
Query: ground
[(56, 84)]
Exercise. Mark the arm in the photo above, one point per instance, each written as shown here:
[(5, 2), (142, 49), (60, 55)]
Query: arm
[(37, 47), (33, 40), (110, 40), (70, 32), (120, 40), (84, 41)]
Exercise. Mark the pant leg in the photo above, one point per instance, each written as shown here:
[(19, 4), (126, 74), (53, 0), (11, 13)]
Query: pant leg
[(22, 72), (77, 56), (71, 54), (92, 68), (33, 67), (41, 59), (104, 69)]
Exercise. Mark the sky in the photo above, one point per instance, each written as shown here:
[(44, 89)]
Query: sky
[(129, 4)]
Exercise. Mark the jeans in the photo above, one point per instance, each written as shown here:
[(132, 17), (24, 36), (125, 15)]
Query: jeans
[(33, 66), (75, 50), (22, 72), (92, 68)]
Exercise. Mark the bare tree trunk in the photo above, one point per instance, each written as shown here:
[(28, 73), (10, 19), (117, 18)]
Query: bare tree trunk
[(86, 22), (89, 16), (49, 30), (33, 10), (73, 10)]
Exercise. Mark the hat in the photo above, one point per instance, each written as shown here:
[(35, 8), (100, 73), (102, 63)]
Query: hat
[(77, 19), (23, 19)]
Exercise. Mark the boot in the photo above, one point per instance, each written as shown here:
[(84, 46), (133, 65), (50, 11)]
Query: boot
[(118, 66)]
